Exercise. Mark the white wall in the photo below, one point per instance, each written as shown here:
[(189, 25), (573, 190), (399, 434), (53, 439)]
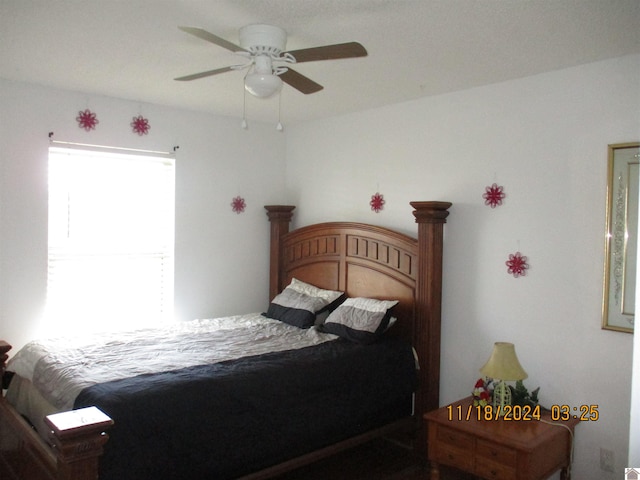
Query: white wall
[(215, 162), (543, 138)]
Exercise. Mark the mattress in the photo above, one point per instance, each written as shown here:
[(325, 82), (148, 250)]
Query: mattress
[(60, 368), (220, 398)]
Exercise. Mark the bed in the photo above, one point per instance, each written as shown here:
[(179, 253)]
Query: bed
[(265, 427)]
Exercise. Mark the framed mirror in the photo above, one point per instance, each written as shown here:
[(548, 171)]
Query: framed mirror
[(621, 237)]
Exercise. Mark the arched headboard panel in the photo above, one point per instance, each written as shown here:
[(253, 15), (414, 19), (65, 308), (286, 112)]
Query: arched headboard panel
[(359, 259)]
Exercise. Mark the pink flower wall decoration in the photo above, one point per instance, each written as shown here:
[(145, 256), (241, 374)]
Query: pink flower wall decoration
[(238, 205), (140, 125), (517, 264), (87, 120), (493, 195), (377, 202)]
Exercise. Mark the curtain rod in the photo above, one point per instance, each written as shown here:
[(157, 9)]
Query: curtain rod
[(111, 149)]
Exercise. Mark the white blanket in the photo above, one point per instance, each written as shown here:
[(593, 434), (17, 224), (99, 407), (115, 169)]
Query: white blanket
[(61, 368)]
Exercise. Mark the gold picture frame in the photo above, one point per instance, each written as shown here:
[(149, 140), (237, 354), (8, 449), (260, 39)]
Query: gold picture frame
[(621, 237)]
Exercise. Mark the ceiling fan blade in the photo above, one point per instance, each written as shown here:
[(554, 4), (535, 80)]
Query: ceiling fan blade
[(210, 37), (329, 52), (300, 82), (195, 76)]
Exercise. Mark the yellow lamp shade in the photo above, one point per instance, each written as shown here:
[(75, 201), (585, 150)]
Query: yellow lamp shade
[(503, 363)]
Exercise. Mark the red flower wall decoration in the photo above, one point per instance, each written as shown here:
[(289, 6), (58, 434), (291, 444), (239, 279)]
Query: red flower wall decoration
[(493, 196), (238, 205), (377, 202), (517, 264), (140, 125), (87, 120)]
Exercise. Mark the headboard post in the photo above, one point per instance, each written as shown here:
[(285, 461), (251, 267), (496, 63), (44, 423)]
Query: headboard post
[(280, 217), (4, 356), (430, 217)]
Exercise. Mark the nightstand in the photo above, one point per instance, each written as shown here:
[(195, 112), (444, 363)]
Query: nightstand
[(498, 449)]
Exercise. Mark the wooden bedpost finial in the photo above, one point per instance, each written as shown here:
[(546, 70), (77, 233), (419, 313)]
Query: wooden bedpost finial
[(431, 212), (279, 212), (77, 438)]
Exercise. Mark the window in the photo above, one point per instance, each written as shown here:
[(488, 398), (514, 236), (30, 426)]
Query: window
[(111, 231)]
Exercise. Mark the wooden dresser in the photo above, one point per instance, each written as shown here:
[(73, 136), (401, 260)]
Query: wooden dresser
[(498, 449)]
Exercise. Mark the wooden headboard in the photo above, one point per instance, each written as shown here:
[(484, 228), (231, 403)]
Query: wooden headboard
[(370, 261)]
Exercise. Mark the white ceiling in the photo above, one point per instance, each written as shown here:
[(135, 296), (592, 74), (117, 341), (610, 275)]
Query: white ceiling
[(132, 49)]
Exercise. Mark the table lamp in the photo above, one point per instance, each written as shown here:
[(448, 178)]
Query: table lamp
[(503, 365)]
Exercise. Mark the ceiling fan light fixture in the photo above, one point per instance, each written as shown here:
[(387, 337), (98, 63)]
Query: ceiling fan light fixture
[(262, 85), (264, 47)]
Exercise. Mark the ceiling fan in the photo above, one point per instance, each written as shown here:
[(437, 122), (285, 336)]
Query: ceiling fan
[(264, 47)]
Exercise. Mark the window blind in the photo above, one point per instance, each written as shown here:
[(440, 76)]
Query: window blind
[(111, 238)]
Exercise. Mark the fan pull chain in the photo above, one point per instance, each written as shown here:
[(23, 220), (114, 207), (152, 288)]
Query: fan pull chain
[(279, 126), (244, 124)]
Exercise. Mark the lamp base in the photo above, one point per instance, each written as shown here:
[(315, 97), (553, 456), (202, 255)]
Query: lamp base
[(501, 397)]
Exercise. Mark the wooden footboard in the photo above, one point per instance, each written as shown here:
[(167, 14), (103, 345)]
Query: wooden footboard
[(77, 438)]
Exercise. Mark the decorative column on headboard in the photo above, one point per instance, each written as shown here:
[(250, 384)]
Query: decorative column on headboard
[(430, 217), (280, 217)]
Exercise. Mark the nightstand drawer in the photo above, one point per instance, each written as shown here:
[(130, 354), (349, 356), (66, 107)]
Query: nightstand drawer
[(455, 457), (456, 439), (497, 453), (453, 448), (490, 470)]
